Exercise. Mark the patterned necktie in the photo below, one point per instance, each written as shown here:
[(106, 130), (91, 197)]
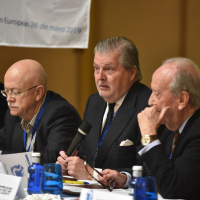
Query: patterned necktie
[(174, 142), (109, 115)]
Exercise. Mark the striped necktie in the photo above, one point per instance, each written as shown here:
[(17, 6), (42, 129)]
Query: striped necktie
[(174, 142)]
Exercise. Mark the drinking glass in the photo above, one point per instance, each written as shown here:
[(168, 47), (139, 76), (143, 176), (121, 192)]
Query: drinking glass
[(145, 189), (51, 180)]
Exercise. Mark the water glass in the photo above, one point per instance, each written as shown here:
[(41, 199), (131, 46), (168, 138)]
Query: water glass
[(51, 180), (145, 189)]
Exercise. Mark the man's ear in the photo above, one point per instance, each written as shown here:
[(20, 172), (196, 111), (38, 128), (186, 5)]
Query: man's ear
[(184, 99), (133, 72), (40, 92)]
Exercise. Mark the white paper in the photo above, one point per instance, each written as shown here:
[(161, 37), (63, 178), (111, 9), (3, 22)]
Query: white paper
[(10, 186), (17, 165), (95, 194)]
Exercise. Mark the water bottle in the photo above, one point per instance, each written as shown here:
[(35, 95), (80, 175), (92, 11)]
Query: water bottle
[(35, 172), (137, 172), (145, 188)]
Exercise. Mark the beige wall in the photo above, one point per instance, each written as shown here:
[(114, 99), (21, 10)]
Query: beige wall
[(160, 29)]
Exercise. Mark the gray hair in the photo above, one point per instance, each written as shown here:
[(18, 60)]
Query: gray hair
[(127, 49), (186, 78)]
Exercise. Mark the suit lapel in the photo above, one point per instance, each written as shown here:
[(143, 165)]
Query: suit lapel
[(17, 142), (124, 114), (98, 117), (188, 127)]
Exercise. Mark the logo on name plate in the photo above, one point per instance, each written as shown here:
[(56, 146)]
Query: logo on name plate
[(17, 170), (89, 195)]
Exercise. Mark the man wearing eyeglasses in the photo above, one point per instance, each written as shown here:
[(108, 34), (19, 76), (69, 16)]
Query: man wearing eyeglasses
[(37, 120)]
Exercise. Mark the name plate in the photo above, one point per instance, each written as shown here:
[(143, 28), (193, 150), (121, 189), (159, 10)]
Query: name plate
[(95, 194), (11, 186), (16, 165)]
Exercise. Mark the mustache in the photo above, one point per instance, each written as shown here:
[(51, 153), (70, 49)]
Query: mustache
[(101, 83), (13, 105)]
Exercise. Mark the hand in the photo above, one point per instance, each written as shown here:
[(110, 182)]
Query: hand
[(77, 169), (62, 161), (150, 119), (74, 166), (120, 179)]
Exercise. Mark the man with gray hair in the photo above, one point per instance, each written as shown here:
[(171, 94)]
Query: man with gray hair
[(112, 111), (174, 160), (37, 120)]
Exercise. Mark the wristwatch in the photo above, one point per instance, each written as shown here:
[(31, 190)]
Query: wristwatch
[(146, 139)]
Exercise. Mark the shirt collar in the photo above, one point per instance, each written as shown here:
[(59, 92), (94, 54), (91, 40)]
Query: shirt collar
[(183, 124), (120, 101), (28, 126)]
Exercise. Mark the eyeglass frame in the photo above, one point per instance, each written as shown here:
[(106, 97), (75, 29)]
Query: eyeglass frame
[(5, 94), (110, 182)]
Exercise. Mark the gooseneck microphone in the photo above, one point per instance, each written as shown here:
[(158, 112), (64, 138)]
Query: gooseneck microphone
[(83, 130)]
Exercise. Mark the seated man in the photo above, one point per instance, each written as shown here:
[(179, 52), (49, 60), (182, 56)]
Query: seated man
[(120, 98), (37, 120), (175, 159), (3, 107)]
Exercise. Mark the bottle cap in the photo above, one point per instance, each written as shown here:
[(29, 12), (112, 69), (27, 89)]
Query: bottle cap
[(36, 154), (137, 167)]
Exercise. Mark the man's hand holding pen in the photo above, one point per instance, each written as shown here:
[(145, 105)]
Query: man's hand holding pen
[(110, 175), (74, 166)]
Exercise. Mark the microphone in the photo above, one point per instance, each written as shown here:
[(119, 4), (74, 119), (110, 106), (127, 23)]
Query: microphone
[(83, 130)]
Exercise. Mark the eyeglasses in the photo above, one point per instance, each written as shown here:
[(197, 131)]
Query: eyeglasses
[(110, 182), (15, 94)]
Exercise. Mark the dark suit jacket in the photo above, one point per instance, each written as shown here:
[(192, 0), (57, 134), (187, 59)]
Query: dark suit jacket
[(179, 177), (124, 126), (55, 131), (3, 106)]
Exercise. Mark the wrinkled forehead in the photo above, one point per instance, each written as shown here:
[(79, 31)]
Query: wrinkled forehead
[(163, 76), (15, 80)]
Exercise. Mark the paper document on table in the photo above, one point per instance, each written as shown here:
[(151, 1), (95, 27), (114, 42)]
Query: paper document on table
[(17, 165), (104, 194)]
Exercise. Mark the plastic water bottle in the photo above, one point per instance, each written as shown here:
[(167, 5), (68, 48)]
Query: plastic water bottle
[(137, 172), (145, 188), (35, 172)]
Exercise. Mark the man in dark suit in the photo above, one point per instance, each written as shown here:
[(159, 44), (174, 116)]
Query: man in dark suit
[(117, 76), (3, 107), (175, 159), (37, 120)]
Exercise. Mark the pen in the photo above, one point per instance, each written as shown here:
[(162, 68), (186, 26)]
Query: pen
[(75, 182)]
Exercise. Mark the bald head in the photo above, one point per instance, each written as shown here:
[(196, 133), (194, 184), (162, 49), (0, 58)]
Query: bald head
[(28, 79), (165, 73), (28, 72), (182, 74)]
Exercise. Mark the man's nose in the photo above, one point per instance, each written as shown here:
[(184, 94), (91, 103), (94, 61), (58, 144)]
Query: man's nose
[(151, 101), (101, 74), (9, 97)]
